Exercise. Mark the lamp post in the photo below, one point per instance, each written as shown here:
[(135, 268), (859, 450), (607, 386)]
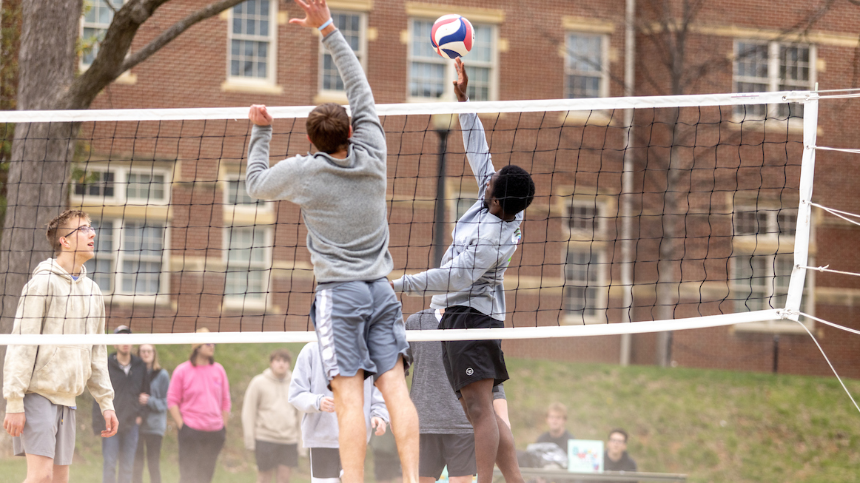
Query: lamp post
[(442, 125)]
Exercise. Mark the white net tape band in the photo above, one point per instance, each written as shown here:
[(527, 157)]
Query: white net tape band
[(554, 105), (412, 336)]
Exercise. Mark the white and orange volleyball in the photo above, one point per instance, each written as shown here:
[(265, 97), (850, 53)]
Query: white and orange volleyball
[(452, 36)]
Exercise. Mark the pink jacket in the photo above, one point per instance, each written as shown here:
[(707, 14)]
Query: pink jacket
[(202, 393)]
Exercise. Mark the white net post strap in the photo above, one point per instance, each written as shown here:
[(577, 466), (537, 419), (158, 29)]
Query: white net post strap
[(804, 210), (549, 332)]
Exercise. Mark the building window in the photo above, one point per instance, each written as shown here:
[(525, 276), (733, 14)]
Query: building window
[(583, 298), (760, 282), (252, 40), (146, 186), (141, 257), (237, 195), (100, 268), (583, 218), (584, 66), (353, 26), (120, 185), (129, 256), (98, 184), (765, 223), (248, 263), (430, 75), (97, 18), (772, 66)]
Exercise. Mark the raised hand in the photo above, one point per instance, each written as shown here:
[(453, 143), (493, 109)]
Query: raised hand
[(462, 83), (259, 116), (316, 13)]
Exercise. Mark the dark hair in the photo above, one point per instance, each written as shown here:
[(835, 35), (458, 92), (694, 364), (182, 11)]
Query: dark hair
[(194, 356), (514, 189), (328, 127), (619, 431), (281, 354), (58, 222)]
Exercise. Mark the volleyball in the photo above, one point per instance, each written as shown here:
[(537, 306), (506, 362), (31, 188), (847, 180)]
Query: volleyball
[(452, 36)]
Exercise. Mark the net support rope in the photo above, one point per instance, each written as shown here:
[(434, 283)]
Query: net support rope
[(826, 269), (825, 355)]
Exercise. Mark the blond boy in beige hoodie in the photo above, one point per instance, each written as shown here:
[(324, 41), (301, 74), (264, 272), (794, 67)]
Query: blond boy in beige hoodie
[(272, 426), (40, 383)]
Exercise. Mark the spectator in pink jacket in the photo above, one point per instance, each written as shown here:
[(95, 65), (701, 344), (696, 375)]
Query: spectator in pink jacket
[(199, 402)]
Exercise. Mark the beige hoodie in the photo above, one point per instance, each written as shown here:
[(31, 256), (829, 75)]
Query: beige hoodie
[(267, 414), (53, 303)]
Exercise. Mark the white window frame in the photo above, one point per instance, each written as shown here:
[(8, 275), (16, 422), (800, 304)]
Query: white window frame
[(246, 209), (242, 302), (151, 172), (603, 90), (450, 72), (272, 51), (119, 255), (773, 71), (361, 54), (98, 169), (772, 326), (771, 218), (598, 223), (96, 4), (767, 245), (121, 184), (599, 307)]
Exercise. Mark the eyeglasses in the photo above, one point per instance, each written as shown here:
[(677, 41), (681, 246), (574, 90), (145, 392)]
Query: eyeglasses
[(85, 229), (616, 440), (210, 345)]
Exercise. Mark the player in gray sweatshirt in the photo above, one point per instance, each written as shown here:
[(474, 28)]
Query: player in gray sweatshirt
[(469, 286), (341, 190)]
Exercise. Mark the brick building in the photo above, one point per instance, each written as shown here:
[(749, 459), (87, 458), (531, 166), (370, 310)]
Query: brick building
[(181, 245)]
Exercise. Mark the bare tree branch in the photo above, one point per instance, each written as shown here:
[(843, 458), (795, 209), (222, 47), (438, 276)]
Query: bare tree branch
[(175, 30), (108, 5)]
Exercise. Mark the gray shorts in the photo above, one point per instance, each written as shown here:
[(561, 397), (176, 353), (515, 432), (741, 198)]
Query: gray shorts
[(49, 431), (359, 326)]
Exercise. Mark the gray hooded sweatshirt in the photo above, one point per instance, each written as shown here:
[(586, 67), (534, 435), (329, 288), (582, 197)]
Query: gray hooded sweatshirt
[(342, 200), (309, 386)]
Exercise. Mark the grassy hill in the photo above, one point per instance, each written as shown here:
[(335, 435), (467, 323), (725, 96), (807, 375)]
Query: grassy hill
[(715, 426)]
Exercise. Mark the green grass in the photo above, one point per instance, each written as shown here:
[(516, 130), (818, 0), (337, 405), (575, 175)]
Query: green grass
[(715, 426)]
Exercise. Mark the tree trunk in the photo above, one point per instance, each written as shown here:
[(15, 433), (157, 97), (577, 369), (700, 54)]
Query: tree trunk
[(36, 190)]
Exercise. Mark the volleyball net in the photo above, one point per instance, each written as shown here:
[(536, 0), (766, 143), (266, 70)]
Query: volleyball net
[(651, 214)]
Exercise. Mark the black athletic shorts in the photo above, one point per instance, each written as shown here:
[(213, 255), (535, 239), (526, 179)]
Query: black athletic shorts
[(325, 462), (468, 361), (457, 451), (271, 455), (386, 466)]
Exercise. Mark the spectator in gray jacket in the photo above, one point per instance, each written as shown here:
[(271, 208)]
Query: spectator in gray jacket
[(154, 417), (310, 394), (446, 436)]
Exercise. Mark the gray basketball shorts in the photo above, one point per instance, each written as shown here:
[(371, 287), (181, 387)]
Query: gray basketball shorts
[(48, 431), (359, 326)]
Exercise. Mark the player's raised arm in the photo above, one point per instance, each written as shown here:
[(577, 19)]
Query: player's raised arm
[(280, 182), (474, 138), (367, 130)]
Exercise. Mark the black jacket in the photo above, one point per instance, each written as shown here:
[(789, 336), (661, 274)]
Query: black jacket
[(127, 389)]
